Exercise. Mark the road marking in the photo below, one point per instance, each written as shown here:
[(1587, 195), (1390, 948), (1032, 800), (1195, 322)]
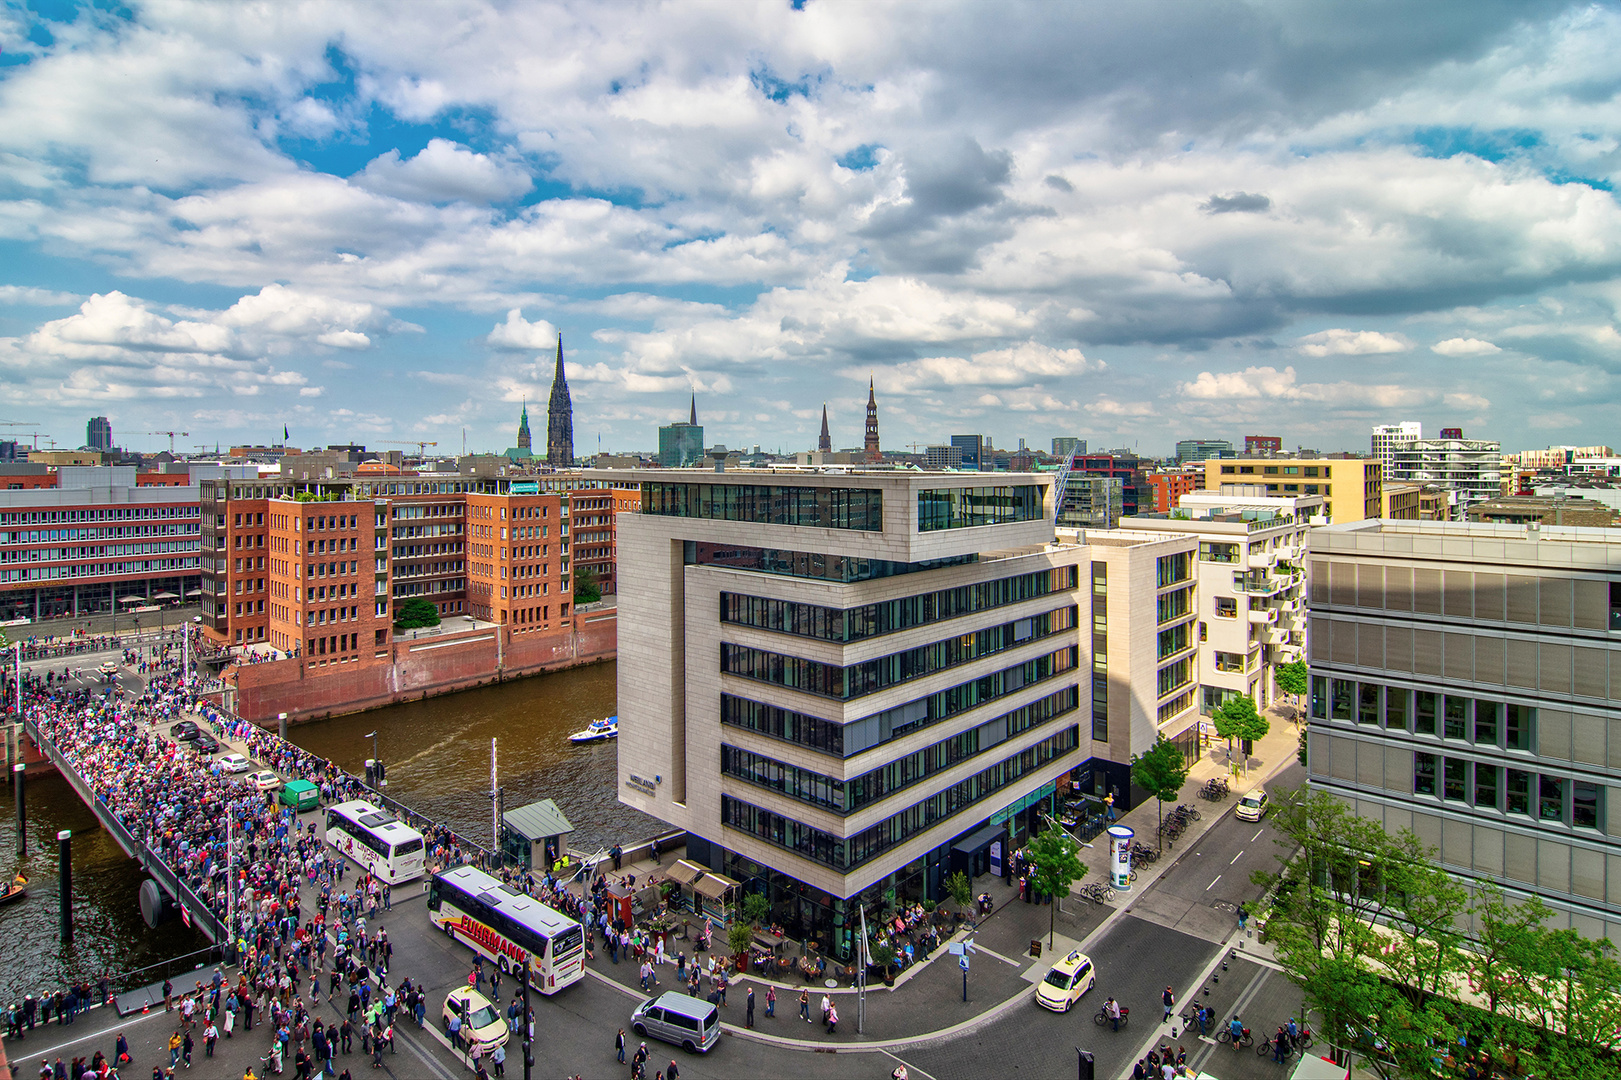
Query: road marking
[(1011, 963), (1240, 855), (1257, 835), (912, 1070), (1212, 885)]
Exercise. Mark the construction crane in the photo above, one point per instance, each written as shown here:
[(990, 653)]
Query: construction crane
[(421, 445), (24, 423), (171, 435)]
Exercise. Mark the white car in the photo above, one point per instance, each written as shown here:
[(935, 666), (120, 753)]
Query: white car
[(264, 780), (233, 763), (1065, 982)]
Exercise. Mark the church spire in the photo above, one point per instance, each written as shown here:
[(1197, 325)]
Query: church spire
[(523, 426), (872, 455), (694, 420), (825, 443), (560, 418)]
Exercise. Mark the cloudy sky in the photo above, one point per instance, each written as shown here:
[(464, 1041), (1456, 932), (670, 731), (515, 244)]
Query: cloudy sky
[(1128, 222)]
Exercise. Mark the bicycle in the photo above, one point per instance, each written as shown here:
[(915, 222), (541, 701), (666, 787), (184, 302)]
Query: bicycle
[(1225, 1037), (1102, 1019), (1097, 892), (1264, 1048), (1188, 809)]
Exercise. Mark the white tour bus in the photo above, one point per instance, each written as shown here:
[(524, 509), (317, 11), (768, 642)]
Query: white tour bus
[(376, 840), (507, 925)]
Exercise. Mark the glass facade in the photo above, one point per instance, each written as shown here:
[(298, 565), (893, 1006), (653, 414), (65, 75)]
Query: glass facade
[(845, 854), (965, 508), (857, 680), (1100, 652), (850, 739), (768, 504), (805, 564), (890, 616)]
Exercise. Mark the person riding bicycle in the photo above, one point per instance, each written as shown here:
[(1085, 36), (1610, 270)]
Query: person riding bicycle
[(1111, 1009), (1236, 1029)]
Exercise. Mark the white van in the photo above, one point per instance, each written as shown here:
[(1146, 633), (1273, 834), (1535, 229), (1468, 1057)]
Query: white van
[(691, 1023)]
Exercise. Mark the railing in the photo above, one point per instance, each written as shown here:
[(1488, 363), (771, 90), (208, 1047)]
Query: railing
[(201, 915)]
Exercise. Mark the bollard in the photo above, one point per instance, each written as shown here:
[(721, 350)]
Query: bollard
[(282, 719), (22, 812), (64, 870)]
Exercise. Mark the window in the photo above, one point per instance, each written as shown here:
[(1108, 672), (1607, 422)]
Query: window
[(1486, 725), (1170, 569), (1397, 703), (1519, 720), (960, 508), (1174, 604), (1423, 774), (1319, 697), (1551, 798), (1424, 713), (1486, 785), (1584, 804), (1229, 662), (1456, 717), (1226, 607), (1340, 705), (828, 508), (1455, 782), (1519, 791), (1311, 470), (1222, 553), (1368, 704)]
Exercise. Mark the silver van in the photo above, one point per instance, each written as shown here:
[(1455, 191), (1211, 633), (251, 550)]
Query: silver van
[(689, 1022)]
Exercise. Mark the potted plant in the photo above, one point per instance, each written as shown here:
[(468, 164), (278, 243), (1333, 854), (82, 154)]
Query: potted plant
[(883, 955), (739, 936), (961, 891)]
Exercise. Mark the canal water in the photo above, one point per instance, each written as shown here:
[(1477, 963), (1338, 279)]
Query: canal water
[(437, 754)]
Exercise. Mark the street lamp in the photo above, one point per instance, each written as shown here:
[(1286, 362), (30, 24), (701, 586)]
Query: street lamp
[(374, 764)]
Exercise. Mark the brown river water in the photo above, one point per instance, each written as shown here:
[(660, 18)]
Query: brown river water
[(437, 754)]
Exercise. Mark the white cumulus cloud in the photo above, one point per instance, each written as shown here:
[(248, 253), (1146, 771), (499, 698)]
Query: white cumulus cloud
[(520, 334), (445, 172), (1352, 343), (1464, 346)]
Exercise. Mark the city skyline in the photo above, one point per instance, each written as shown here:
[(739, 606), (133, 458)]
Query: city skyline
[(1121, 226)]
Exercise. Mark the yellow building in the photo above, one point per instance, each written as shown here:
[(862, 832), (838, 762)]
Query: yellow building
[(1352, 488), (1401, 502)]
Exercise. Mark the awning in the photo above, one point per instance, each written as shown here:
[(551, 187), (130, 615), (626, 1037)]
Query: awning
[(132, 599), (684, 872), (194, 592), (165, 596), (714, 886), (979, 838)]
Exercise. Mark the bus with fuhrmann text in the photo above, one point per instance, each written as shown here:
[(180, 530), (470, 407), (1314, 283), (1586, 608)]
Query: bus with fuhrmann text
[(377, 840), (508, 926)]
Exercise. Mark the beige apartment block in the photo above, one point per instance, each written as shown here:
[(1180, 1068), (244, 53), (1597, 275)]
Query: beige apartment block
[(1351, 487), (844, 686), (1252, 585), (1464, 684)]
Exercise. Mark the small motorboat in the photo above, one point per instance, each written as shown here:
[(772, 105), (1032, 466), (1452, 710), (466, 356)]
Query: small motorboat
[(597, 731), (15, 891)]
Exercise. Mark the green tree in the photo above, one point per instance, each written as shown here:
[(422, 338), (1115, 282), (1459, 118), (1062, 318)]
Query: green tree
[(415, 612), (739, 936), (586, 588), (756, 908), (1162, 771), (961, 890), (1292, 678), (1057, 865), (1237, 718)]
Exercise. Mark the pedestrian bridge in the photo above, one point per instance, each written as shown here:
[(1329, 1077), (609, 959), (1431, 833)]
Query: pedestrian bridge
[(194, 910)]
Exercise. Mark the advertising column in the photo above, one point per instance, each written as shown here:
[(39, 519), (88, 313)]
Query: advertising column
[(1120, 837)]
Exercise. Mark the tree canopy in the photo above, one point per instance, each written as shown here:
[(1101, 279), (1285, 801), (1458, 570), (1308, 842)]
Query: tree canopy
[(1161, 771), (1055, 855), (415, 612), (586, 588), (1237, 718), (1292, 677)]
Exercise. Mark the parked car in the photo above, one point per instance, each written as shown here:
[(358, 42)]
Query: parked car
[(185, 731), (108, 667), (481, 1023), (1252, 807), (691, 1023), (1066, 981), (233, 763), (264, 780), (205, 743)]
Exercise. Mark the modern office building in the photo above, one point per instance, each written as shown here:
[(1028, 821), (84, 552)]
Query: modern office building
[(971, 450), (1351, 487), (98, 433), (682, 443), (845, 686), (1091, 502), (1562, 509), (1190, 450), (1402, 501), (1465, 684), (1387, 438), (1252, 586), (942, 457), (1065, 445), (1262, 444), (1469, 470)]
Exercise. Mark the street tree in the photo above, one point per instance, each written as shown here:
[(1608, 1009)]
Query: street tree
[(1161, 770), (1237, 718), (414, 613), (960, 889), (1292, 678), (1056, 859)]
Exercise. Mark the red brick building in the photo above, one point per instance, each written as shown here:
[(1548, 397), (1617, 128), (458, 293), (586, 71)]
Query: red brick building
[(1171, 485)]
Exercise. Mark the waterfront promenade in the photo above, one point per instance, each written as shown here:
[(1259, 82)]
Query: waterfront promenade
[(923, 1013)]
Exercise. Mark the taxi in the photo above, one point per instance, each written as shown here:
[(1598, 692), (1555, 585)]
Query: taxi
[(1065, 982), (264, 780), (481, 1023), (1252, 807)]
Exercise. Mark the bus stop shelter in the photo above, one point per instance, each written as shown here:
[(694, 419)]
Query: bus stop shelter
[(535, 835)]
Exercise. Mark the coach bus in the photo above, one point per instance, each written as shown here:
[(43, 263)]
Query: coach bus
[(508, 926), (375, 839)]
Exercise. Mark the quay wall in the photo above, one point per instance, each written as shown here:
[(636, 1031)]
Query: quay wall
[(422, 666)]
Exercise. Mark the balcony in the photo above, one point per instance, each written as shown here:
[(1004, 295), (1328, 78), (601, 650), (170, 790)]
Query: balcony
[(1263, 616), (1275, 635), (1261, 560)]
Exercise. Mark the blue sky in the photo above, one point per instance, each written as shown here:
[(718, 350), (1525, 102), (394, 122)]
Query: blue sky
[(1132, 223)]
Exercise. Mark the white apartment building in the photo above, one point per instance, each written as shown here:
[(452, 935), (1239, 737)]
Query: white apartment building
[(1252, 585), (1469, 469), (1388, 437), (1466, 684), (844, 686)]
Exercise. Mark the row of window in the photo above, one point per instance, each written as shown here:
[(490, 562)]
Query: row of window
[(847, 854), (964, 508), (1507, 726), (870, 676), (768, 504), (101, 551), (890, 616), (1100, 652), (141, 566), (96, 532), (1551, 799), (817, 566), (1170, 569), (847, 796), (847, 740), (1173, 605), (120, 513)]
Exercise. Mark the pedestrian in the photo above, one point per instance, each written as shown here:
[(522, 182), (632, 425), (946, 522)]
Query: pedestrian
[(672, 1073), (771, 1001), (748, 1019), (174, 1048), (639, 1058), (499, 1057), (1243, 917), (832, 1020), (804, 1005), (1280, 1045), (211, 1035), (1170, 1004), (619, 1045), (1108, 806), (1111, 1009)]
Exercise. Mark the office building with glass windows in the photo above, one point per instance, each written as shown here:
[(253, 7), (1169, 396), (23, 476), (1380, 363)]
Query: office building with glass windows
[(846, 686), (1465, 684)]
